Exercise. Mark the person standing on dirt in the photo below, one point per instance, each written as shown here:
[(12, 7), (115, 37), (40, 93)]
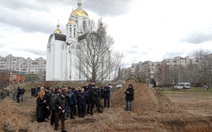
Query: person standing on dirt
[(37, 90), (4, 93), (53, 96), (15, 91), (82, 103), (18, 94), (95, 100), (59, 105), (106, 96), (129, 97), (47, 98), (72, 102), (67, 113), (41, 107), (22, 94)]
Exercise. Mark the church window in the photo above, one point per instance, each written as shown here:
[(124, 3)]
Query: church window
[(84, 24), (74, 32), (70, 32)]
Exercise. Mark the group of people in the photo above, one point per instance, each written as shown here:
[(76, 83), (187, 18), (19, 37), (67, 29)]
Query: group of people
[(18, 94), (64, 102), (60, 103)]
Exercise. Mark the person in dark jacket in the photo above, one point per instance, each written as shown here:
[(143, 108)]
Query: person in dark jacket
[(129, 97), (72, 102), (59, 105), (15, 91), (18, 94), (95, 100), (67, 91), (106, 96), (53, 96), (82, 103), (41, 106), (22, 94), (88, 92), (4, 93), (47, 98)]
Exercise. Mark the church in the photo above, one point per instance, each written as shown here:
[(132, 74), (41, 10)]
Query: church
[(60, 58)]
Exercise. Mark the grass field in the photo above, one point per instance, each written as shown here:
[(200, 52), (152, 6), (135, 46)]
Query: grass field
[(195, 100)]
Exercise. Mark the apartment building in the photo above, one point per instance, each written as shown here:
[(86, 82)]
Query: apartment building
[(27, 66)]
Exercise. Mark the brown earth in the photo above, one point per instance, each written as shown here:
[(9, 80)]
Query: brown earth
[(152, 112)]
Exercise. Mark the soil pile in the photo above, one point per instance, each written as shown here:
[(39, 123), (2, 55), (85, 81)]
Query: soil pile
[(151, 112), (16, 118), (146, 100)]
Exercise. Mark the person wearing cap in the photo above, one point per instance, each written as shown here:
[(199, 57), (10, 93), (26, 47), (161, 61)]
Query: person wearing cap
[(59, 105), (129, 97)]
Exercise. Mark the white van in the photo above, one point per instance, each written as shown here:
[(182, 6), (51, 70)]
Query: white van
[(185, 84)]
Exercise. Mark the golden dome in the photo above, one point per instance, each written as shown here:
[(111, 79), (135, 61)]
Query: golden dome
[(71, 22), (79, 12), (57, 31)]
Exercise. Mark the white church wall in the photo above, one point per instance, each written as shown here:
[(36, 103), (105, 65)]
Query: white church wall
[(57, 70)]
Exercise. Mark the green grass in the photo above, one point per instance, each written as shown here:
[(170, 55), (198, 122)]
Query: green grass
[(177, 91)]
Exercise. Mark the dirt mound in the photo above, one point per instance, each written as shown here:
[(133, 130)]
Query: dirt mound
[(156, 109), (14, 117), (146, 100)]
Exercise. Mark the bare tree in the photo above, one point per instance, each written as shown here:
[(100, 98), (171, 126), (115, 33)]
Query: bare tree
[(164, 74), (96, 60), (40, 74), (205, 65)]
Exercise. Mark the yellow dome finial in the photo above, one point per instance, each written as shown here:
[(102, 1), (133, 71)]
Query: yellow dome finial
[(58, 28), (79, 3), (58, 24)]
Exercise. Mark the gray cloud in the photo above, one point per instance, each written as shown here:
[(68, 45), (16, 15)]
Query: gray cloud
[(132, 51), (1, 45), (39, 5), (107, 7), (20, 13), (3, 53), (25, 20), (198, 37), (29, 16), (32, 51), (172, 54), (36, 52)]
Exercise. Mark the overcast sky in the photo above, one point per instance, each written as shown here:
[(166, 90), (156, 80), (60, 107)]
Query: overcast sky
[(142, 29)]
